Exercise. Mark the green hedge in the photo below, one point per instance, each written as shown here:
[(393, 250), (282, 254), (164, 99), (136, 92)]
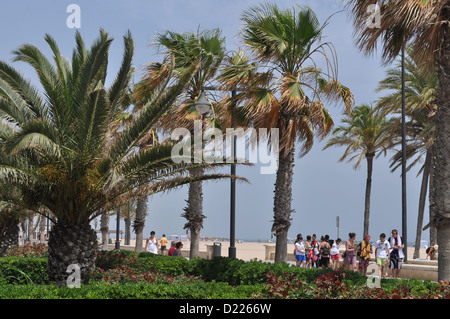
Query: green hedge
[(102, 290), (219, 278), (239, 272), (16, 270), (19, 270)]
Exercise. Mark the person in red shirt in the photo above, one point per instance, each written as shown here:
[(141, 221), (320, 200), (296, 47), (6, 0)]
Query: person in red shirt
[(172, 248)]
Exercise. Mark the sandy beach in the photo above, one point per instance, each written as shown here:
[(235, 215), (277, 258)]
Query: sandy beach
[(252, 250)]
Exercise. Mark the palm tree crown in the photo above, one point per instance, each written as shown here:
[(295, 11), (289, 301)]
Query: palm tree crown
[(282, 88), (364, 132)]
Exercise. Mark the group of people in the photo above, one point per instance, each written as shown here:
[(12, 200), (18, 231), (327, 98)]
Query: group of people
[(314, 253), (388, 253), (152, 245)]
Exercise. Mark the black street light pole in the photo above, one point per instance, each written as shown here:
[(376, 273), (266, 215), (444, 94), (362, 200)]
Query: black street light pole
[(404, 226), (232, 248)]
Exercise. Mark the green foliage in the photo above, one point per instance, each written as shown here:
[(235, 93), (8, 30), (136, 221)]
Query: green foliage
[(111, 259), (173, 266), (16, 270), (142, 290), (129, 275)]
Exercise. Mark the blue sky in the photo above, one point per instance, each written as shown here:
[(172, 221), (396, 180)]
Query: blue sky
[(322, 187)]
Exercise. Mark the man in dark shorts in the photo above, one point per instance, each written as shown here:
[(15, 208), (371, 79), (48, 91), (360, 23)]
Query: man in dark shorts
[(396, 256), (163, 242)]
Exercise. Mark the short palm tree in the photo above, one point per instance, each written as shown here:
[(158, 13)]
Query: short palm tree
[(284, 89), (365, 133), (425, 24), (208, 48), (420, 93), (56, 146)]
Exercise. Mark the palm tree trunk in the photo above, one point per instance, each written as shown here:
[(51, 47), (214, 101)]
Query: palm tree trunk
[(422, 198), (369, 158), (433, 233), (104, 227), (72, 244), (282, 204), (194, 212), (30, 229), (41, 229), (441, 178), (139, 223), (127, 227), (9, 235)]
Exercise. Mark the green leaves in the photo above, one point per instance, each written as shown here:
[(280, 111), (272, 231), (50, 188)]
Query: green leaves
[(366, 131), (71, 151)]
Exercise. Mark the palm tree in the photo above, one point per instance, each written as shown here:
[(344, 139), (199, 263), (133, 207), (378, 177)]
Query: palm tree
[(364, 133), (426, 26), (207, 47), (56, 147), (285, 90), (420, 92)]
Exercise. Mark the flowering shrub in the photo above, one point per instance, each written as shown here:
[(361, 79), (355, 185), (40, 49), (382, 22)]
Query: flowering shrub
[(330, 285), (111, 259), (124, 274), (333, 285), (29, 250), (285, 286)]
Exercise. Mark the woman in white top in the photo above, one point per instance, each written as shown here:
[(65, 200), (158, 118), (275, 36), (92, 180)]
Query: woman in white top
[(152, 244), (300, 251), (334, 252)]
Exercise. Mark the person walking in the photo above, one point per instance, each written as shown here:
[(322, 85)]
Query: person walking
[(382, 248), (335, 256), (324, 250), (315, 246), (365, 249), (309, 252), (300, 251), (152, 243), (396, 255), (163, 241), (350, 254)]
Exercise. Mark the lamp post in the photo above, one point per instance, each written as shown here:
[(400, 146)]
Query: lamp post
[(202, 105), (404, 226)]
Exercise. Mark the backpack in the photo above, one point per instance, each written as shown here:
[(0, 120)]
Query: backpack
[(325, 250), (428, 250)]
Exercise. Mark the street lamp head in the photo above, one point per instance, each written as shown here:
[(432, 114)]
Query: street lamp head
[(202, 104)]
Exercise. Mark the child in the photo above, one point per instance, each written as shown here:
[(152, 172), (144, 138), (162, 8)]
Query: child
[(382, 253)]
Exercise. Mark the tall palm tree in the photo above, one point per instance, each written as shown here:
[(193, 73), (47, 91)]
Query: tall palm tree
[(286, 90), (208, 48), (420, 93), (55, 146), (425, 24), (365, 133)]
